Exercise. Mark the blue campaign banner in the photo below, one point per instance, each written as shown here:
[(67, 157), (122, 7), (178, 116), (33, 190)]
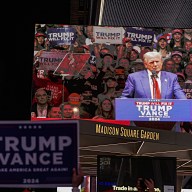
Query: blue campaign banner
[(153, 110), (61, 36), (141, 37), (38, 154)]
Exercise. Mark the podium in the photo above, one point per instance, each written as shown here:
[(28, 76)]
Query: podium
[(160, 114)]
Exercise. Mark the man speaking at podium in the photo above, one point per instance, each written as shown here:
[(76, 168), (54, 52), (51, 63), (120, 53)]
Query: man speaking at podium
[(153, 83)]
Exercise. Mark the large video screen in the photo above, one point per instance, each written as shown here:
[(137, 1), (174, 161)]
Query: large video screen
[(78, 71), (136, 173)]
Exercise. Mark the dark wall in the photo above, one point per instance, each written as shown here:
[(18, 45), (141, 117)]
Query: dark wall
[(17, 36)]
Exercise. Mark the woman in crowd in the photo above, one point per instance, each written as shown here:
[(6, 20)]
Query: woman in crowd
[(110, 89), (162, 46), (177, 39), (105, 110)]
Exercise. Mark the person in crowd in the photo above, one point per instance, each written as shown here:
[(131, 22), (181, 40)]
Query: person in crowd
[(105, 110), (54, 112), (188, 34), (108, 59), (89, 75), (102, 50), (181, 79), (87, 107), (137, 65), (139, 84), (188, 73), (89, 35), (124, 62), (41, 107), (67, 110), (80, 36), (95, 100), (52, 84), (41, 42), (177, 39), (104, 55), (120, 77), (110, 89), (162, 46), (120, 87), (169, 65), (37, 46), (74, 84), (145, 50), (124, 49), (96, 80), (104, 59), (188, 45), (120, 73), (190, 55), (177, 58), (135, 53)]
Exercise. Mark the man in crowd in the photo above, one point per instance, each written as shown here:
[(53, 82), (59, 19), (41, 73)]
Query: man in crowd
[(41, 107), (54, 112), (87, 107)]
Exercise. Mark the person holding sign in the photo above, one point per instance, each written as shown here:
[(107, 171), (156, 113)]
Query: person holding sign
[(77, 179), (152, 82)]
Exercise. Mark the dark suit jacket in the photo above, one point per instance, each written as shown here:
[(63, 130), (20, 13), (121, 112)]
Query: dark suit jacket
[(34, 109), (137, 86)]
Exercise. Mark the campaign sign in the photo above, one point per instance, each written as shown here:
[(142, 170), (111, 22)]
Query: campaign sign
[(49, 60), (38, 154), (153, 110), (140, 37), (108, 35), (72, 63), (61, 36), (187, 88)]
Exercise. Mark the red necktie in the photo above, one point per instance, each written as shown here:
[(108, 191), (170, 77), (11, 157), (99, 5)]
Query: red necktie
[(156, 90)]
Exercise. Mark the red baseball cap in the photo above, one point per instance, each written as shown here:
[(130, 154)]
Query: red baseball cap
[(176, 53), (177, 31), (108, 54), (162, 37), (39, 34)]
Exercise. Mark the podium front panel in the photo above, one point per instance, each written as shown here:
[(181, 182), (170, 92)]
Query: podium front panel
[(153, 110)]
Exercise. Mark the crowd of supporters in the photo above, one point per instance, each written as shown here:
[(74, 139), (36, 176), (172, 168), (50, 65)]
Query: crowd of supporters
[(92, 85)]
